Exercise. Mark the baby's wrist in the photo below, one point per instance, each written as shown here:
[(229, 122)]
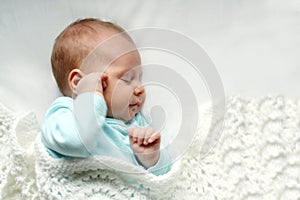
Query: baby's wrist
[(148, 160)]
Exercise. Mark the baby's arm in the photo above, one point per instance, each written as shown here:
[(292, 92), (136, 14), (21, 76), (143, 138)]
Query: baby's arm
[(73, 128), (145, 143), (69, 133)]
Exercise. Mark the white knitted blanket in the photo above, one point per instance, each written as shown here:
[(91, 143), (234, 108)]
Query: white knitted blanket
[(257, 157)]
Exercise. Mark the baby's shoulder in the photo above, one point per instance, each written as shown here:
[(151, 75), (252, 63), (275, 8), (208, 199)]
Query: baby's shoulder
[(60, 103)]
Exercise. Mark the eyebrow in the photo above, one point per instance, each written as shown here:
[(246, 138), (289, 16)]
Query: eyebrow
[(139, 72)]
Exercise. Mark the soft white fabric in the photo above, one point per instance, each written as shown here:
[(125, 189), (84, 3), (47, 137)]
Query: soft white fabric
[(257, 157)]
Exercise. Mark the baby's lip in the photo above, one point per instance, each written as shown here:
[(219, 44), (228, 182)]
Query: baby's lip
[(137, 103)]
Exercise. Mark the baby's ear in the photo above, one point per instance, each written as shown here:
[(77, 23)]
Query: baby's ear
[(74, 77), (104, 80)]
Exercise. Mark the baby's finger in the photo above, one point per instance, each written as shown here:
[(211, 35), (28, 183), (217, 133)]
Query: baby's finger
[(148, 134), (140, 140), (135, 134), (141, 135), (154, 137), (131, 133), (130, 140)]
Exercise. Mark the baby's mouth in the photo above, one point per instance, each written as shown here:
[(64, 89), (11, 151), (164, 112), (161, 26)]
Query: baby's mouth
[(135, 104)]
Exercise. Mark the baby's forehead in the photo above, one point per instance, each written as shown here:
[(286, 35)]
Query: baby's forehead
[(113, 49), (128, 63)]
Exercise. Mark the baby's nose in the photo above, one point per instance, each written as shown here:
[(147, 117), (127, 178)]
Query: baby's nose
[(139, 90)]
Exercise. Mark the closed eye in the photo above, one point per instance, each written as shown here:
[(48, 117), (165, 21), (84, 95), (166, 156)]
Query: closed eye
[(125, 80), (129, 77)]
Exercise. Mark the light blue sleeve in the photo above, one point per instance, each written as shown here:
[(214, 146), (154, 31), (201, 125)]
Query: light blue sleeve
[(72, 128), (164, 163)]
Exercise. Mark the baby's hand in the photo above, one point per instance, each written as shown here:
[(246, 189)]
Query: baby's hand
[(145, 143), (92, 82)]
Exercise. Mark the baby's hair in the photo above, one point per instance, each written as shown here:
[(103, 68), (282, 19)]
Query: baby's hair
[(74, 44)]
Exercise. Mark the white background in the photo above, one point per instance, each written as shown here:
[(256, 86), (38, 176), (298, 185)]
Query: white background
[(255, 44)]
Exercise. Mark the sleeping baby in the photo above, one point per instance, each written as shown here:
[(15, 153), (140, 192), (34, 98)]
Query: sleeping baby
[(99, 112)]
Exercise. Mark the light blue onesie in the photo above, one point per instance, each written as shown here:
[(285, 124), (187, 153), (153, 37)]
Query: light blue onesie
[(79, 128)]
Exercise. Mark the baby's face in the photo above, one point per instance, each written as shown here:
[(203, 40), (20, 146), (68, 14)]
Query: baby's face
[(124, 94)]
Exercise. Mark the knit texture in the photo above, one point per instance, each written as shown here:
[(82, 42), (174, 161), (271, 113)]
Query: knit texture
[(256, 157)]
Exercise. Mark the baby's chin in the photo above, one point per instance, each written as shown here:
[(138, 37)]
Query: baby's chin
[(132, 113), (128, 115)]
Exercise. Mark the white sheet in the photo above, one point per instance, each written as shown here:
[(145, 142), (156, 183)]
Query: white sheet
[(255, 44)]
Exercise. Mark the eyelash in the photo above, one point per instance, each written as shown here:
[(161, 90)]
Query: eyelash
[(128, 80)]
